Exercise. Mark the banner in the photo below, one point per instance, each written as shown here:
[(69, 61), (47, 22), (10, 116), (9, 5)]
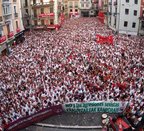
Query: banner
[(96, 106), (104, 39), (101, 16), (29, 120)]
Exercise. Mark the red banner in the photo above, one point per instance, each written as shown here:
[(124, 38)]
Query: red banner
[(2, 39), (62, 17), (11, 34), (101, 16), (46, 14), (104, 39), (18, 30)]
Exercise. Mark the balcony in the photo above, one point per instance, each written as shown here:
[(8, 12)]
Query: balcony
[(16, 15), (18, 30), (26, 16), (7, 14), (35, 17), (11, 34), (46, 15), (110, 3), (7, 17), (141, 18), (115, 3), (114, 14), (5, 1), (105, 5), (2, 39), (42, 4), (70, 6)]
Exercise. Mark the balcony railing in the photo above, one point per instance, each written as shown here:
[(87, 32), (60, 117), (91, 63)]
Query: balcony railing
[(141, 18), (110, 3), (6, 14), (115, 14), (46, 15), (5, 1), (11, 34), (26, 16), (115, 3), (2, 39), (16, 14), (42, 4), (18, 30)]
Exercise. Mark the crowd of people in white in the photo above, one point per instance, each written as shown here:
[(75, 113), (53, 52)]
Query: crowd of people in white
[(68, 65)]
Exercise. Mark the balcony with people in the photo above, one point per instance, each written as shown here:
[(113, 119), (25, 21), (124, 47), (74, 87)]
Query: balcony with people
[(42, 3)]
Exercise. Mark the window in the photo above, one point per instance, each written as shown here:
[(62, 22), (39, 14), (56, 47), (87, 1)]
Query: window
[(35, 22), (15, 9), (35, 13), (87, 5), (42, 10), (127, 1), (34, 1), (6, 9), (70, 4), (133, 25), (51, 21), (76, 4), (143, 13), (26, 3), (16, 24), (142, 25), (125, 23), (1, 31), (71, 10), (126, 11), (76, 10), (136, 1), (135, 12), (26, 10), (51, 9), (28, 22), (82, 5), (8, 28), (115, 22), (42, 22)]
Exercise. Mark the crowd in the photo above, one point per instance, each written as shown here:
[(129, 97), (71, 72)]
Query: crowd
[(68, 65)]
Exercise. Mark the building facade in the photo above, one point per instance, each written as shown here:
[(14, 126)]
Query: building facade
[(26, 13), (45, 14), (11, 26), (65, 8), (73, 8), (123, 16), (85, 7), (104, 8), (88, 8), (141, 19)]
